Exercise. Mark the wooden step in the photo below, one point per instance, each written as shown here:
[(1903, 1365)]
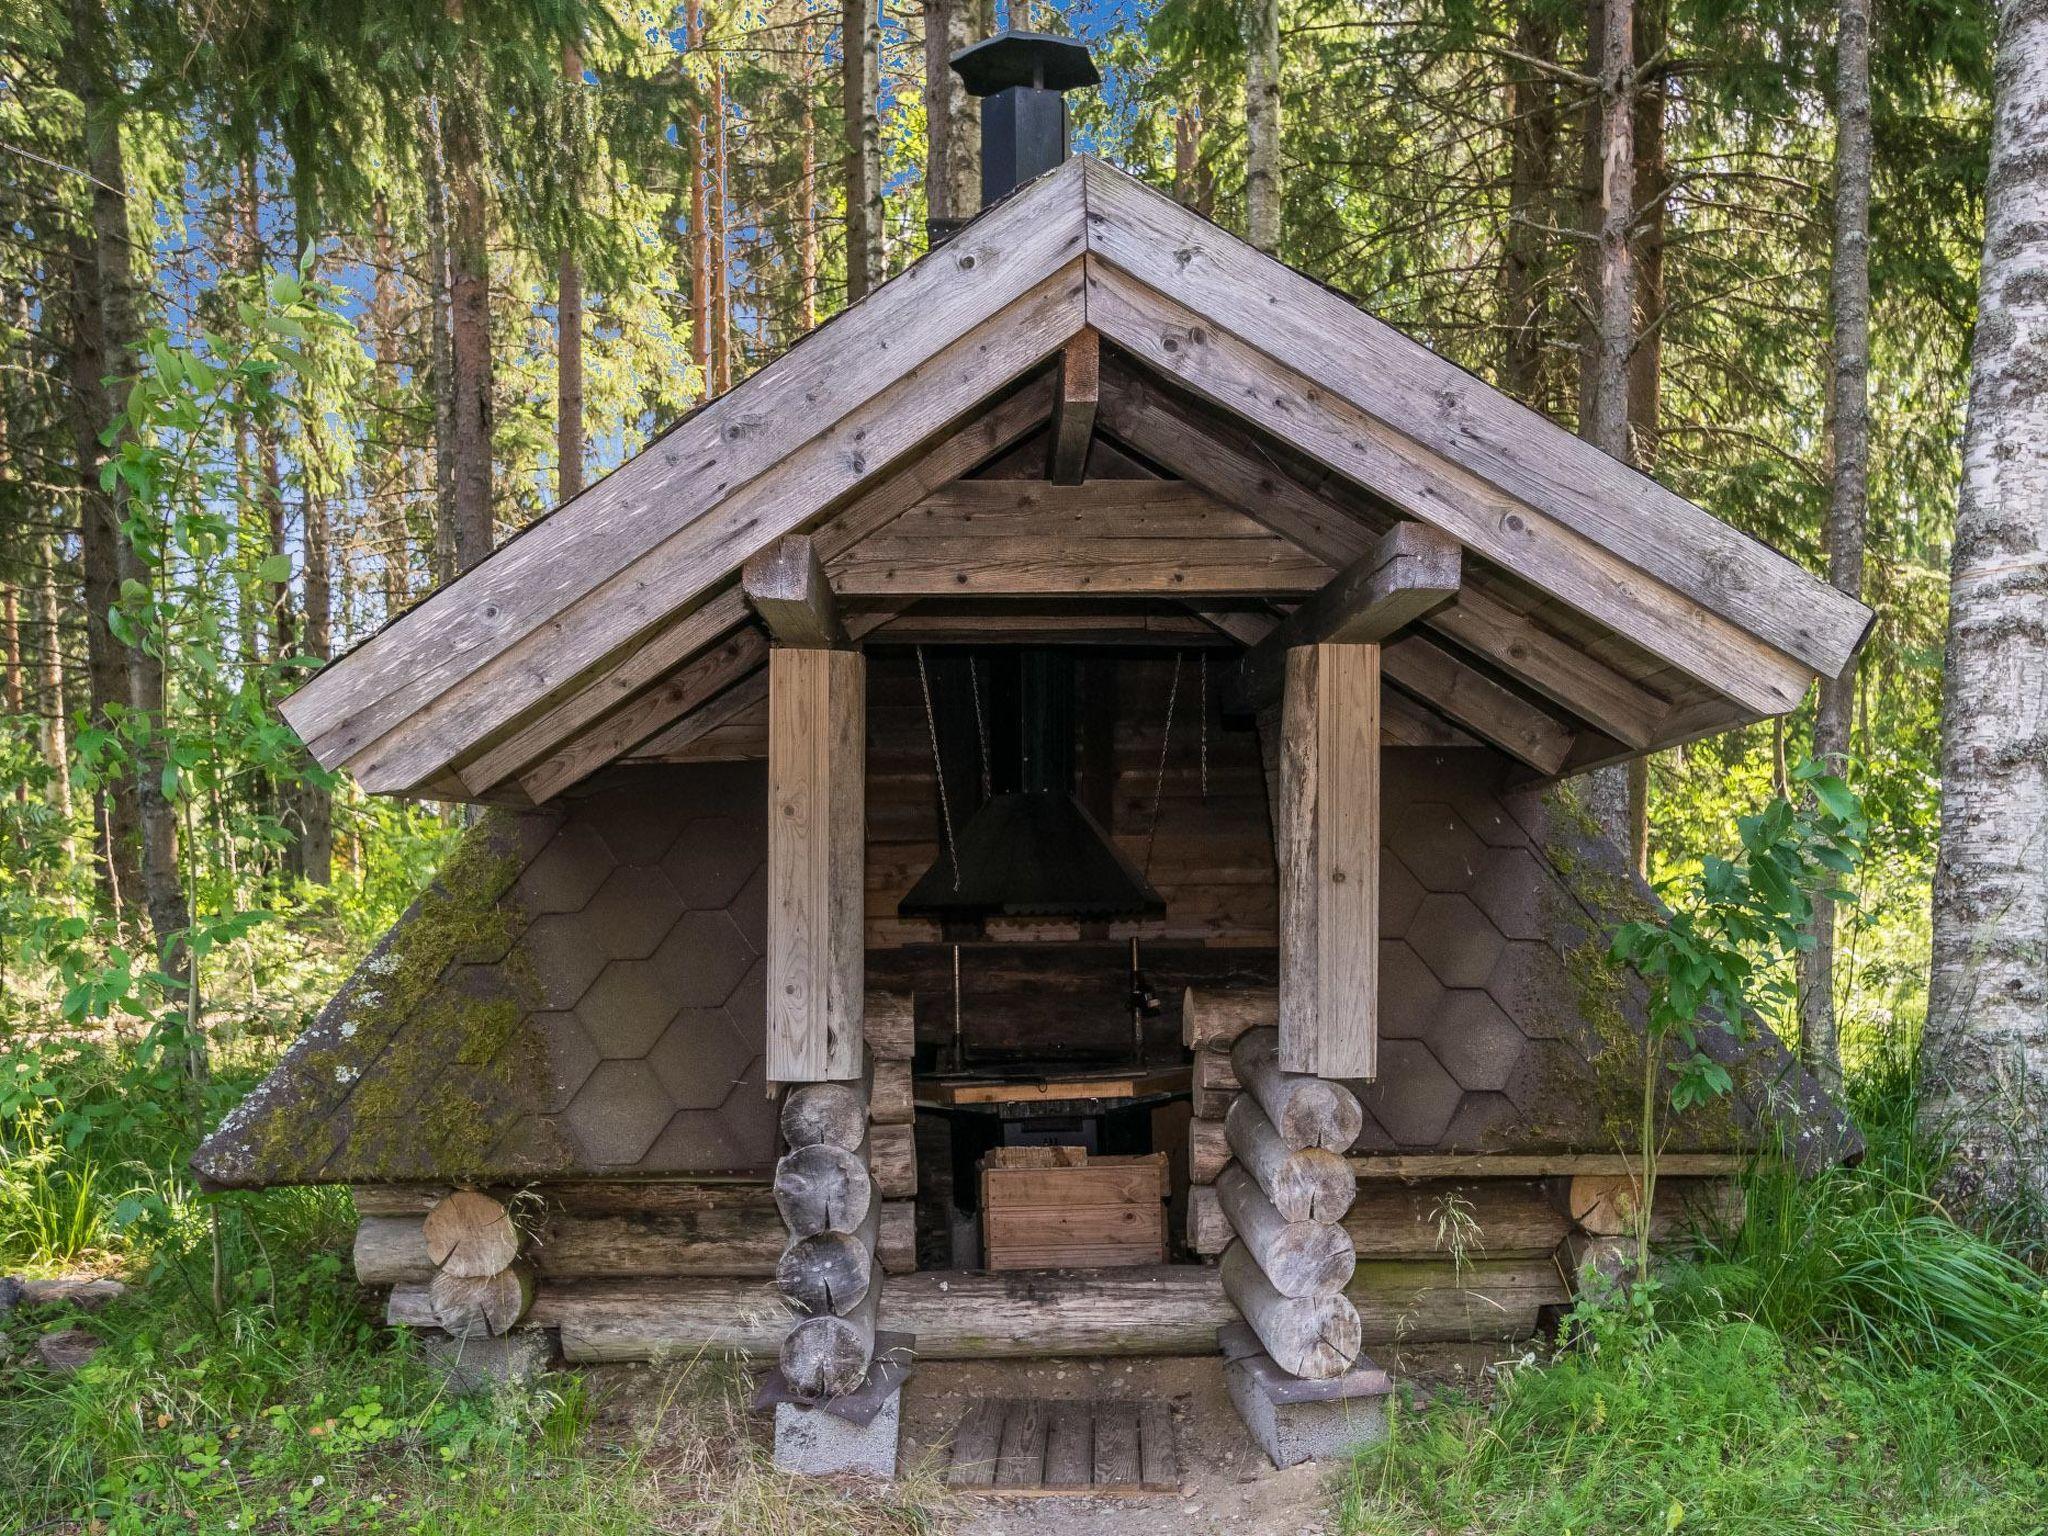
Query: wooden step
[(1073, 1446)]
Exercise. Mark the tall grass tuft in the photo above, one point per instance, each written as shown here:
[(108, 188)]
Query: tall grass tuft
[(1848, 1359)]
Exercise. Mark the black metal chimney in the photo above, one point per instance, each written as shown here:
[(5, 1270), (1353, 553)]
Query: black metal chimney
[(1021, 78)]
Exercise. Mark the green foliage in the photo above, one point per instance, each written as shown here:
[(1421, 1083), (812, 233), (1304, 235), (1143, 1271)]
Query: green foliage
[(1848, 1361)]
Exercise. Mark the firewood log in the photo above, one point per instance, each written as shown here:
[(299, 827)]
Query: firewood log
[(889, 1025), (822, 1188), (1208, 1150), (825, 1114), (1312, 1184), (892, 1157), (471, 1235), (896, 1240), (471, 1307), (1302, 1258), (1315, 1338), (1306, 1111), (829, 1356), (1211, 1019), (891, 1099), (1215, 1085)]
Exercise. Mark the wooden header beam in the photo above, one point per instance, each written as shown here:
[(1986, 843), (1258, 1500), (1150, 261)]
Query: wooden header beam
[(1408, 574), (785, 584)]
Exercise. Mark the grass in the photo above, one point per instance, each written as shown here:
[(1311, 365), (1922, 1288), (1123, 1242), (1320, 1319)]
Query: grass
[(1847, 1361), (1850, 1360), (246, 1384)]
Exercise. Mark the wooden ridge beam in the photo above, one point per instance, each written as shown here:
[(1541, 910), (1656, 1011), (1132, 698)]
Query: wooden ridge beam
[(1103, 538), (785, 585), (1077, 392), (1576, 568), (1409, 573), (1227, 462)]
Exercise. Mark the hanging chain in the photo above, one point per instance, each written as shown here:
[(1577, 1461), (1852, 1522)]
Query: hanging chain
[(980, 725), (931, 724), (1159, 782), (1205, 727)]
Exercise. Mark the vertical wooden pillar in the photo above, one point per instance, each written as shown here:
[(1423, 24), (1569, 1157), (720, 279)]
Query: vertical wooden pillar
[(1328, 836), (817, 823)]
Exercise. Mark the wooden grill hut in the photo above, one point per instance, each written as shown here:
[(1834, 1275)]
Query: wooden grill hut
[(1102, 690)]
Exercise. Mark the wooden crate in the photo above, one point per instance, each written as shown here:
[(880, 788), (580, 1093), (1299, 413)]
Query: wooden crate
[(1072, 1211)]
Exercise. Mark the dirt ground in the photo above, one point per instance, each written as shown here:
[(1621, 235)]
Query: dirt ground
[(1227, 1485)]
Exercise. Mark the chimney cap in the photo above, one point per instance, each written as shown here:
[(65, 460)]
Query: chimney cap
[(1036, 59)]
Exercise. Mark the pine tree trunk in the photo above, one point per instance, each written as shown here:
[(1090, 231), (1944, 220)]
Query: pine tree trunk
[(441, 349), (1849, 483), (861, 40), (1525, 247), (162, 892), (56, 717), (1262, 126), (1609, 186), (807, 182), (700, 224), (721, 253), (394, 556), (569, 308), (1985, 1056), (469, 304)]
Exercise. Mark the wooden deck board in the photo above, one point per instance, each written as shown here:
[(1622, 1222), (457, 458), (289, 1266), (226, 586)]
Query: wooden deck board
[(1038, 1447)]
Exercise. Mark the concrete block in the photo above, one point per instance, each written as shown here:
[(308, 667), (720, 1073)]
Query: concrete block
[(1294, 1420), (469, 1366), (820, 1443)]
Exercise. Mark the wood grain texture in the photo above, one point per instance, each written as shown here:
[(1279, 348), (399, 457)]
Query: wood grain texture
[(817, 754), (823, 1189), (673, 645), (1077, 392), (1105, 537), (1211, 1019), (1300, 1258), (1314, 1338), (785, 585), (469, 1234), (1453, 414), (829, 1114), (1328, 845), (1409, 573), (1304, 1184), (1224, 460), (684, 484), (1593, 580), (1463, 694), (1306, 1111)]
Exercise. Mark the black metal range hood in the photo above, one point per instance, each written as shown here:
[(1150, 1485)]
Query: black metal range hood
[(1031, 849)]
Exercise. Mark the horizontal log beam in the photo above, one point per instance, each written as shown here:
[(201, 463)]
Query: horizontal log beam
[(1409, 573), (1024, 538), (785, 585)]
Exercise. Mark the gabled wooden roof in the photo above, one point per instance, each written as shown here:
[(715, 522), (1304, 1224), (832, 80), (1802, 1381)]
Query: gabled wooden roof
[(1602, 615)]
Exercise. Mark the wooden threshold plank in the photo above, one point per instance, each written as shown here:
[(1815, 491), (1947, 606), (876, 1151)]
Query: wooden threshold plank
[(1117, 1462), (1158, 1464), (1020, 1456), (1070, 1446), (975, 1445)]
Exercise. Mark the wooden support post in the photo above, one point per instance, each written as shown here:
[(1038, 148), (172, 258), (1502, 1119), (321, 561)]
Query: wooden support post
[(785, 584), (1078, 392), (1409, 574), (1329, 857), (817, 746), (830, 1274)]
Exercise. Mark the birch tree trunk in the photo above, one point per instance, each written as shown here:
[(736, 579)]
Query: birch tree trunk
[(1262, 126), (1985, 1055), (861, 45), (569, 301), (1849, 483), (56, 718), (952, 117)]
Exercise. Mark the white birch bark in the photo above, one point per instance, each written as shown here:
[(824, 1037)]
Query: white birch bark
[(1262, 126), (1849, 485), (1985, 1056)]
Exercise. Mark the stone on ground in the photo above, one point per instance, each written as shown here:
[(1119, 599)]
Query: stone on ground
[(68, 1351), (469, 1366)]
